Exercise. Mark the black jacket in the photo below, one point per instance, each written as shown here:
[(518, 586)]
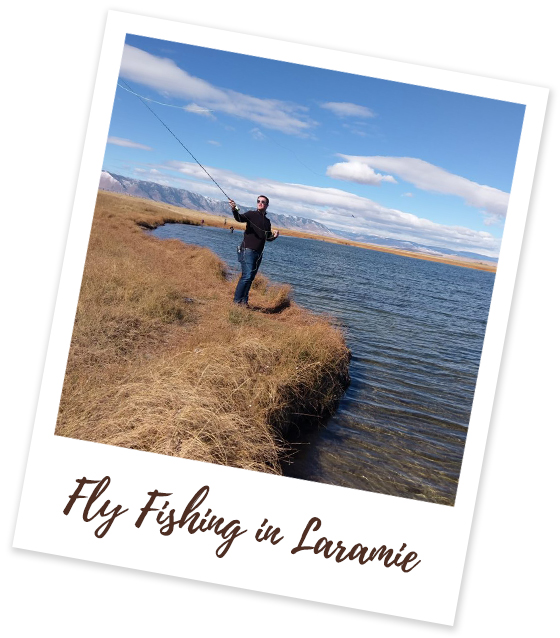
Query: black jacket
[(258, 229)]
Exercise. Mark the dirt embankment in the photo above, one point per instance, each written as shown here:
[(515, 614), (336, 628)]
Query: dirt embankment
[(161, 360)]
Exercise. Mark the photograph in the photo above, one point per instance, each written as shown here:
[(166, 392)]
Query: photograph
[(280, 332), (290, 269)]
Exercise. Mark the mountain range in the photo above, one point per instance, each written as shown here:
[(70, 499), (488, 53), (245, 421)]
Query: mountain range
[(401, 244)]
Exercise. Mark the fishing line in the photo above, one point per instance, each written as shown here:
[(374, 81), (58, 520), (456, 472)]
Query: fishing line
[(174, 106)]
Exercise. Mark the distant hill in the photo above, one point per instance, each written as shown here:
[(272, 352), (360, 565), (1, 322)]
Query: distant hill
[(187, 199), (412, 246)]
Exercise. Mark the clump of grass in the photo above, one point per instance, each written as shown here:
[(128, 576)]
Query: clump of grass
[(161, 360), (241, 317), (270, 298)]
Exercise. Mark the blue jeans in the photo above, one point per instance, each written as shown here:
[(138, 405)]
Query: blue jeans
[(250, 261)]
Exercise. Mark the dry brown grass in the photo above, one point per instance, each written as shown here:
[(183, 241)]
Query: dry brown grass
[(161, 359)]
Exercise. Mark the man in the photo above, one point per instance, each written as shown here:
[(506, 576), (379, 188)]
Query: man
[(257, 232)]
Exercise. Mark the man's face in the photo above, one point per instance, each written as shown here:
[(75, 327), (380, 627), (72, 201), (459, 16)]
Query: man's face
[(261, 204)]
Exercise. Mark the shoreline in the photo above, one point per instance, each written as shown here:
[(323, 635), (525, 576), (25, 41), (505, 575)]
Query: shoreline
[(217, 221)]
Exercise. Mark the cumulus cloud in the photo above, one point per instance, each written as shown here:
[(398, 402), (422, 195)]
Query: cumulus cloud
[(347, 109), (432, 178), (163, 75), (358, 172), (119, 141), (336, 208)]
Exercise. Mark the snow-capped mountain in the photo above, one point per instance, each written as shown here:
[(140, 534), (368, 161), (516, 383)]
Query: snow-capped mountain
[(187, 199)]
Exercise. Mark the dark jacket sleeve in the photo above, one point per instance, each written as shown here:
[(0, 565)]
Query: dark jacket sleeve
[(270, 236), (239, 217)]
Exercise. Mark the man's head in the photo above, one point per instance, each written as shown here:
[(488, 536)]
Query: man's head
[(262, 203)]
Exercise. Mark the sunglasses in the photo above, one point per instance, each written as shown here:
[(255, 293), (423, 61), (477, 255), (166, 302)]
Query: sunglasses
[(261, 201)]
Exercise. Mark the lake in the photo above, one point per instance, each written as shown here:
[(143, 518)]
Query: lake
[(415, 329)]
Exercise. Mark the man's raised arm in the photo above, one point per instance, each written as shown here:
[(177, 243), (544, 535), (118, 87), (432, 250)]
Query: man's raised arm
[(239, 217)]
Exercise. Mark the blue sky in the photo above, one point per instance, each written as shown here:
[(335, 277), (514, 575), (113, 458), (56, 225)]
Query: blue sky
[(355, 153)]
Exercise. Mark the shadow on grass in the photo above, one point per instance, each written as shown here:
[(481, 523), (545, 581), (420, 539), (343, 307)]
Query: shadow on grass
[(271, 310)]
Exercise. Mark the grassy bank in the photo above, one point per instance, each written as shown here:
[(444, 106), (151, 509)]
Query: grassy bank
[(161, 360)]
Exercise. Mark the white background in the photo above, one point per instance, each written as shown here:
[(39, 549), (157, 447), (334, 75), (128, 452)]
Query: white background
[(50, 60)]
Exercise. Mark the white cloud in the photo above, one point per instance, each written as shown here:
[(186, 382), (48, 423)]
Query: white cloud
[(165, 76), (214, 143), (199, 110), (358, 172), (492, 220), (347, 109), (432, 178), (119, 141), (407, 195), (355, 129), (257, 134), (152, 171), (336, 208)]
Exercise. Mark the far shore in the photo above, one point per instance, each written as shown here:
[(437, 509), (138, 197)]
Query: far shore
[(217, 221)]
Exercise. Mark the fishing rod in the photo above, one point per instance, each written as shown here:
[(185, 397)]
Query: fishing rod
[(142, 99), (167, 127)]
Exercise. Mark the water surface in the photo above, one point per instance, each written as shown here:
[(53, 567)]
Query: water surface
[(416, 330)]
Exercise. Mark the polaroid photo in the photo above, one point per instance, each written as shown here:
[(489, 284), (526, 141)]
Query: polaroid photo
[(280, 318)]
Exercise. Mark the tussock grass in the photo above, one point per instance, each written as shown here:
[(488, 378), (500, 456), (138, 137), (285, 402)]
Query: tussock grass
[(161, 360)]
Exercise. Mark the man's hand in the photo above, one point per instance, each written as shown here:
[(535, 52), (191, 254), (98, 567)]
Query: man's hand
[(232, 204), (275, 234)]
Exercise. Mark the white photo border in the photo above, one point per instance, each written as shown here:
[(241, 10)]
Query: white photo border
[(439, 534)]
